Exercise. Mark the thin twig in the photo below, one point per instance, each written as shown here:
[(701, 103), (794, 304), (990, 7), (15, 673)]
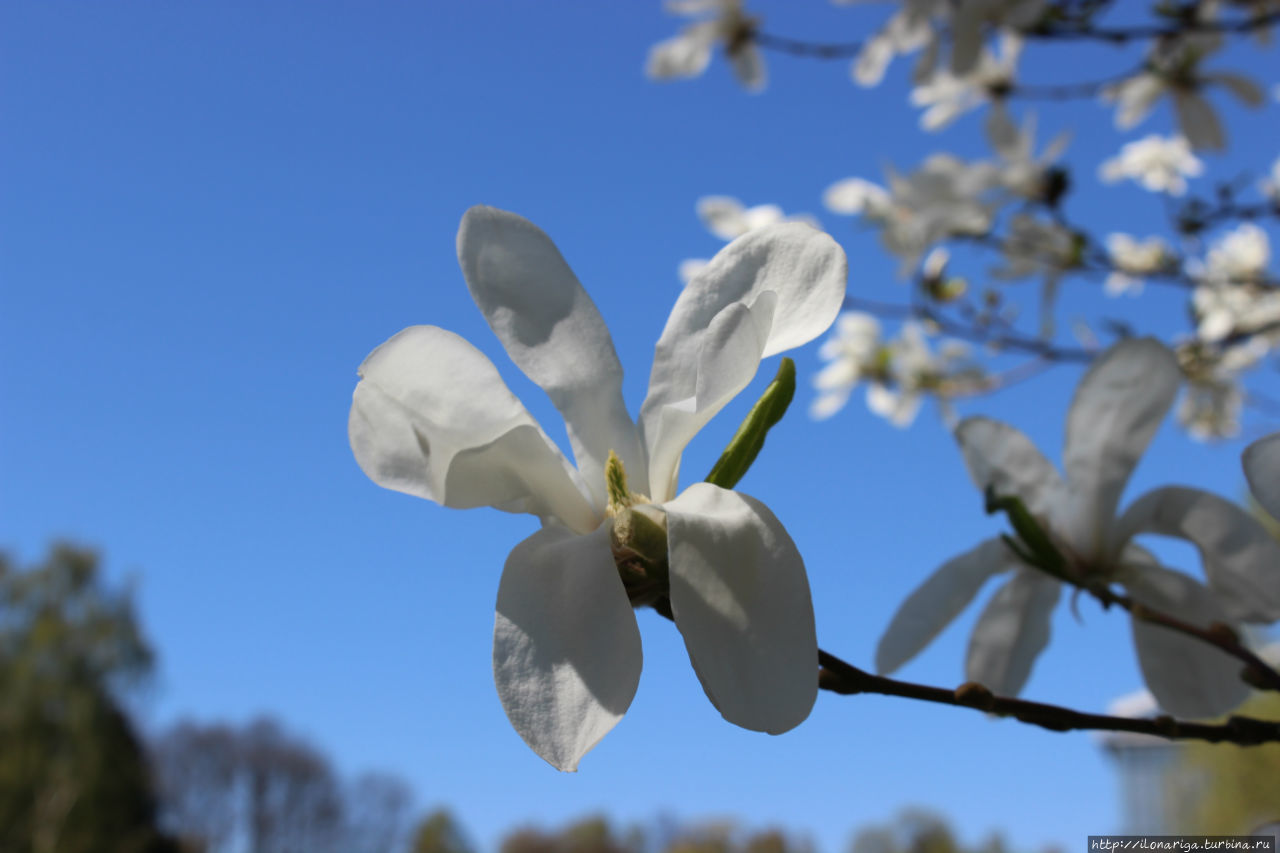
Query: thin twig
[(796, 47), (1219, 636)]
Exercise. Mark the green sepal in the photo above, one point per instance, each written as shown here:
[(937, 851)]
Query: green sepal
[(1033, 545), (747, 441)]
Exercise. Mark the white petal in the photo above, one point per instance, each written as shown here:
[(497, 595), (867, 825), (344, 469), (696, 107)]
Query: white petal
[(432, 418), (1002, 133), (826, 405), (1197, 121), (748, 67), (724, 365), (1241, 560), (1246, 90), (690, 268), (1011, 632), (566, 649), (1262, 468), (1116, 409), (853, 196), (874, 58), (723, 215), (1002, 457), (741, 600), (1188, 677), (803, 273), (683, 55), (553, 332), (937, 601)]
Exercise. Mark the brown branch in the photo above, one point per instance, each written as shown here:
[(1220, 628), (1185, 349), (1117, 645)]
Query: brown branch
[(796, 47), (838, 676), (846, 679), (1257, 671)]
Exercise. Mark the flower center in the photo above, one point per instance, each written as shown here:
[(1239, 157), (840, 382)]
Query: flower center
[(637, 537)]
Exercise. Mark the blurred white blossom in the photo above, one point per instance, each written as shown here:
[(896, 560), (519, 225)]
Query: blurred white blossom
[(1173, 69), (1116, 410), (688, 53), (1158, 163), (944, 197), (1021, 171), (854, 353), (1213, 398), (946, 95), (899, 372), (1133, 259), (1240, 256), (1232, 297)]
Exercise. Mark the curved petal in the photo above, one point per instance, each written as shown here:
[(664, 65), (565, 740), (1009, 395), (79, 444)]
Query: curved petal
[(1241, 560), (1262, 468), (553, 332), (1197, 121), (1003, 458), (1011, 632), (740, 598), (724, 366), (1188, 678), (684, 55), (1116, 409), (937, 601), (803, 267), (748, 67), (566, 648), (432, 418)]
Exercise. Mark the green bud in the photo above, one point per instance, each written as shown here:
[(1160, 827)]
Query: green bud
[(747, 441)]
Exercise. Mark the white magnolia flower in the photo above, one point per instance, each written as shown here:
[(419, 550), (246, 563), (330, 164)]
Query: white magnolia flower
[(1021, 172), (1116, 410), (431, 417), (1173, 68), (689, 53), (1230, 299), (947, 95), (855, 353), (915, 370), (944, 197), (908, 30), (1213, 398), (858, 197), (728, 219), (1133, 259), (1241, 256), (1037, 247), (1160, 164), (972, 17)]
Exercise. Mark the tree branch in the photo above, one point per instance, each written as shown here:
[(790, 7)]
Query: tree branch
[(838, 676)]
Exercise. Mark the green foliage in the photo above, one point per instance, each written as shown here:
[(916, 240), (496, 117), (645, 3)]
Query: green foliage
[(1222, 789), (918, 831), (73, 773), (439, 832)]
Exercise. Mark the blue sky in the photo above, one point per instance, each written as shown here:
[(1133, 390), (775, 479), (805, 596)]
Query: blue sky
[(212, 212)]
